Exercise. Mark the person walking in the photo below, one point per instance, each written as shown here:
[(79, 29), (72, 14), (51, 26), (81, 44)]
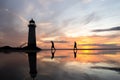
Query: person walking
[(52, 47), (75, 45)]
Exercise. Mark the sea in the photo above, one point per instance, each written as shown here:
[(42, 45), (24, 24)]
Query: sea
[(60, 65)]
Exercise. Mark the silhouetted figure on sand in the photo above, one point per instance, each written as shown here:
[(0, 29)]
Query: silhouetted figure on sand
[(52, 47), (75, 45)]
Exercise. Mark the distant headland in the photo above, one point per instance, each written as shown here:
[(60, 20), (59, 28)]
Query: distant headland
[(17, 49)]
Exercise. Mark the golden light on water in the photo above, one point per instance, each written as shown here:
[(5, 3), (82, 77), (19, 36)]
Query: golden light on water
[(88, 58), (86, 47), (86, 51)]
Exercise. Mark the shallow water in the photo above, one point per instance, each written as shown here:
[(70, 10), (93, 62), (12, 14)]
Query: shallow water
[(61, 65)]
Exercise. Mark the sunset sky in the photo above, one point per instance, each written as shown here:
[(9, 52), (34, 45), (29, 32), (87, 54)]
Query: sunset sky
[(91, 23)]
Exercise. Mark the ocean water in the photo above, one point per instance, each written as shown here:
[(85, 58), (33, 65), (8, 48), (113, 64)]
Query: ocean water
[(60, 65)]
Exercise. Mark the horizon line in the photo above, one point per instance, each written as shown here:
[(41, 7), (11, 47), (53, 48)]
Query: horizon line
[(85, 49)]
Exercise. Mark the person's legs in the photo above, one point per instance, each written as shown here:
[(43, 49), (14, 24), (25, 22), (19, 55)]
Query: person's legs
[(75, 47)]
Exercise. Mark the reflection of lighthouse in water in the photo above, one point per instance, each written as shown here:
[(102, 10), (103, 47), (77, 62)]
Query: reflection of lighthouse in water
[(32, 64), (32, 34)]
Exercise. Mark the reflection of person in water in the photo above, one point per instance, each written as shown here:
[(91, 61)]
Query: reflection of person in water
[(75, 53), (52, 47), (52, 52), (75, 45)]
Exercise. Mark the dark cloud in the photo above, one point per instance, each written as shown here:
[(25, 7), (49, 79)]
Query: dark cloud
[(62, 41), (110, 29), (97, 45), (89, 18)]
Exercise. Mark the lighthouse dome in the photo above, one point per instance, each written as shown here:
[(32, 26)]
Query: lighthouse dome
[(31, 21)]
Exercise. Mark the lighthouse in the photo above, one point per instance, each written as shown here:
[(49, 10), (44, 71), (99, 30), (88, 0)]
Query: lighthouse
[(32, 34)]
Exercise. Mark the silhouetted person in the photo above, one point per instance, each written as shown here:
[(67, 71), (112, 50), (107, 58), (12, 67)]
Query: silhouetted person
[(52, 47), (32, 64), (75, 53), (52, 52), (75, 45)]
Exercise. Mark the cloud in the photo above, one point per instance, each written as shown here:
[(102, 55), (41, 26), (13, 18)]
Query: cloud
[(49, 29), (98, 44), (12, 28), (48, 2), (101, 45), (87, 1), (110, 29), (60, 41), (54, 18), (92, 17)]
